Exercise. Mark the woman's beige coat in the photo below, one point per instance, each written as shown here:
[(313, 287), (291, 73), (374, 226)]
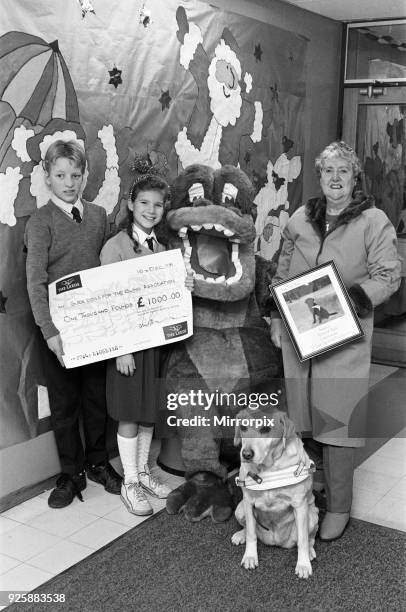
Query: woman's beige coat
[(327, 395)]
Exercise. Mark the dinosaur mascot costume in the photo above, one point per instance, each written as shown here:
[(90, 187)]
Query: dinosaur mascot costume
[(230, 352)]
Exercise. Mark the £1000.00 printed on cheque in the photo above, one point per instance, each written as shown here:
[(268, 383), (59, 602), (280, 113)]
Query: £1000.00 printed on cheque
[(121, 308)]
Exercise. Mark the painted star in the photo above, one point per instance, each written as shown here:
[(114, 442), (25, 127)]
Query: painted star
[(115, 77), (86, 7), (258, 53), (165, 99), (3, 301)]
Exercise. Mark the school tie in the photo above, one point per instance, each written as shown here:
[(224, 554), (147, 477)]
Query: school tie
[(76, 214), (150, 243)]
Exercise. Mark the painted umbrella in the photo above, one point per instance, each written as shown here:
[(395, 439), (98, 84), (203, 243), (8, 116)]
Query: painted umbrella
[(35, 85), (36, 93)]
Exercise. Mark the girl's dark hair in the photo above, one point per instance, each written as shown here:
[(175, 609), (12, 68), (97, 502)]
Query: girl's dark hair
[(147, 182)]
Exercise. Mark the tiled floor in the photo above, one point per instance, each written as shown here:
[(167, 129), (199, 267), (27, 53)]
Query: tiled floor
[(37, 543)]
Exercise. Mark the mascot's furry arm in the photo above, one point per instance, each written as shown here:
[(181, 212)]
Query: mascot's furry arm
[(230, 351)]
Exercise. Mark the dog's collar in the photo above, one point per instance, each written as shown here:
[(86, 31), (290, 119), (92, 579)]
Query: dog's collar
[(275, 479)]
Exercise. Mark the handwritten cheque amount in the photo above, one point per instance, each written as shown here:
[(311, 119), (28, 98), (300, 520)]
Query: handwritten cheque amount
[(122, 308)]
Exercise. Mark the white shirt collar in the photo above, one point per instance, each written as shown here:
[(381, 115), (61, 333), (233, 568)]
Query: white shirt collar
[(141, 236), (67, 208)]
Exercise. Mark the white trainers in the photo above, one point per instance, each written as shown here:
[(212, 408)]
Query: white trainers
[(151, 485), (134, 499)]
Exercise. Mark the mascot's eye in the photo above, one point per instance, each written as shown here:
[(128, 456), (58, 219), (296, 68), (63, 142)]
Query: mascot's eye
[(229, 194), (195, 191), (264, 430), (243, 427)]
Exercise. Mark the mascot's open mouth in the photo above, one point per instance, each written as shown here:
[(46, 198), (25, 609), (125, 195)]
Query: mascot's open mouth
[(211, 252)]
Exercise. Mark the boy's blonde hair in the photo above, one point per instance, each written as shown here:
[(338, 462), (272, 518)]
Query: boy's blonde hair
[(69, 149)]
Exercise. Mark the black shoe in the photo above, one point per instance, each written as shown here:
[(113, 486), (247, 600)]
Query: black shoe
[(67, 488), (106, 475)]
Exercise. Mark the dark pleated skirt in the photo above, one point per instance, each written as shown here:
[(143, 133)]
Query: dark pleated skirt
[(135, 398)]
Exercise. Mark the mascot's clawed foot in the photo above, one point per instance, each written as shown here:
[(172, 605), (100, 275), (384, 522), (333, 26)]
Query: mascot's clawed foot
[(204, 494)]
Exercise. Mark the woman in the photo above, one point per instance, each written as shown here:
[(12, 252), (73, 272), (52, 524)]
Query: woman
[(326, 395)]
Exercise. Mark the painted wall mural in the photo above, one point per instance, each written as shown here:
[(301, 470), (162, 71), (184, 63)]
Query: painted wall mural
[(178, 80)]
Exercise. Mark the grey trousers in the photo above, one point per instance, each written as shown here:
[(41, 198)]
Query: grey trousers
[(338, 465)]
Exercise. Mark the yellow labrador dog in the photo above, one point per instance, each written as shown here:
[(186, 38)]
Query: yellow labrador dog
[(276, 479)]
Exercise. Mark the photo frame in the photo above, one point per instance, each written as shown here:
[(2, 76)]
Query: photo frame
[(317, 311)]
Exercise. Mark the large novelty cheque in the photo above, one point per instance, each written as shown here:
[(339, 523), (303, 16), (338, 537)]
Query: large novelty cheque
[(122, 308)]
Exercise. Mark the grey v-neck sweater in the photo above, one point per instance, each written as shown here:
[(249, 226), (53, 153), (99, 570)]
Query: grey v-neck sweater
[(57, 246)]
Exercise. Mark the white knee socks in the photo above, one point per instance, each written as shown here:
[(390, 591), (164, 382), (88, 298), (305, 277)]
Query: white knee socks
[(127, 448), (144, 444)]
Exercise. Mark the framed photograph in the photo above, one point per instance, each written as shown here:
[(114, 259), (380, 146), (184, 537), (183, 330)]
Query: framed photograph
[(317, 311)]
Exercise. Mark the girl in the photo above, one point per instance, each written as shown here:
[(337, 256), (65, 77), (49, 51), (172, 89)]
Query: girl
[(132, 397)]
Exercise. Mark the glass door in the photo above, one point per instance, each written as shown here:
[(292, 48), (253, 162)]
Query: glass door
[(374, 123)]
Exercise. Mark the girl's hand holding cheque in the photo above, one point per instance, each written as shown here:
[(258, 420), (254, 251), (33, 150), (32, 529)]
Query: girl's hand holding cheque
[(190, 281)]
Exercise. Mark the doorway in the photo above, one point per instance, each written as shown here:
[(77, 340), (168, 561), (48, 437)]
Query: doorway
[(374, 123)]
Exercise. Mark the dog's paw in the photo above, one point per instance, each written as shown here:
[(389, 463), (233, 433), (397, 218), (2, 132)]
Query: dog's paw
[(312, 553), (250, 561), (238, 537), (303, 570)]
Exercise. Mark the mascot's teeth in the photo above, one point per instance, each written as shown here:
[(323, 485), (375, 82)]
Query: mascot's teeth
[(238, 270), (209, 280), (199, 277), (231, 281), (220, 279), (234, 253), (182, 232), (187, 254)]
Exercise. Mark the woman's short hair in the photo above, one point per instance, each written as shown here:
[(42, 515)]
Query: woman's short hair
[(149, 182), (70, 149), (340, 149)]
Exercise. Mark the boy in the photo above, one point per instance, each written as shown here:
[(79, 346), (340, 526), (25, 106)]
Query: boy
[(62, 237)]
